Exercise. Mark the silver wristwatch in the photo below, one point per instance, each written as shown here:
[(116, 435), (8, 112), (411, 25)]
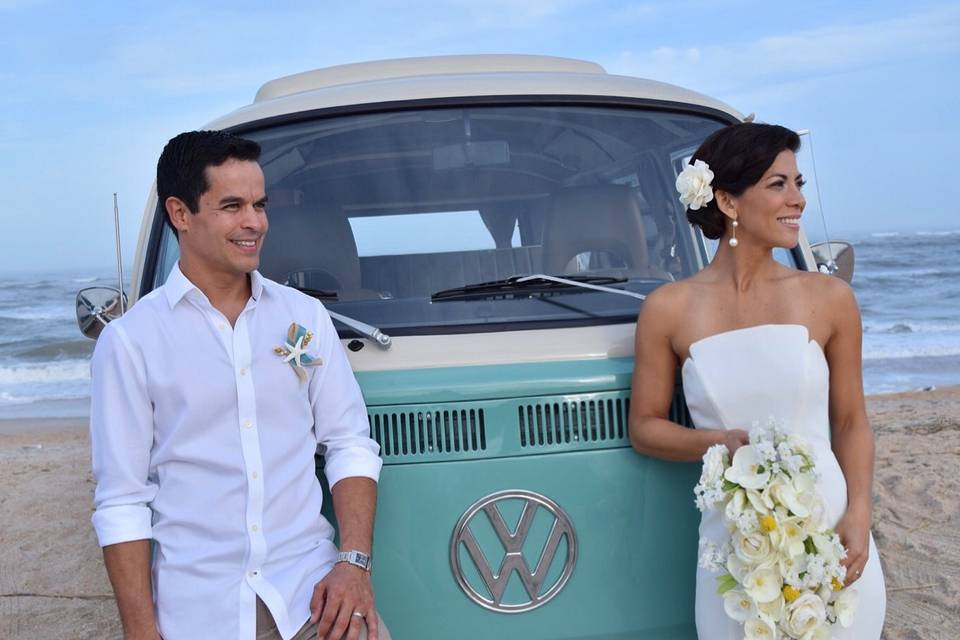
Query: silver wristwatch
[(356, 558)]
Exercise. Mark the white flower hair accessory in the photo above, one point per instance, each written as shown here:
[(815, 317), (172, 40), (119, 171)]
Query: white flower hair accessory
[(693, 184)]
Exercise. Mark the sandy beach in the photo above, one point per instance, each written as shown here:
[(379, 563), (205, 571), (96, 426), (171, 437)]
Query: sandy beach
[(53, 584)]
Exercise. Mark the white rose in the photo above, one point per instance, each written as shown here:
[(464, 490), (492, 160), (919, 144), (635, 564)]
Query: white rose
[(738, 605), (714, 464), (747, 469), (845, 606), (737, 568), (763, 584), (787, 495), (693, 185), (804, 615), (759, 629), (754, 548)]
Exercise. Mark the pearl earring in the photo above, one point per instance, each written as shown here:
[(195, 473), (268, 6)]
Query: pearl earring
[(733, 239)]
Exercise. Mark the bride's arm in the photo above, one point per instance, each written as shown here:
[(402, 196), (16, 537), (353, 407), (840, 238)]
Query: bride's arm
[(654, 374), (852, 437)]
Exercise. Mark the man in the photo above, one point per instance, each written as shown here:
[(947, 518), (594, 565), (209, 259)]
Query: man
[(207, 409)]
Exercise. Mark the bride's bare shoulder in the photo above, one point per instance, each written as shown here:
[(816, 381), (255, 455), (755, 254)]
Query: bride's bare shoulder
[(666, 302)]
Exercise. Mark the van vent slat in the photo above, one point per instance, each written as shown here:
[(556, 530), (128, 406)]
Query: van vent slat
[(429, 432)]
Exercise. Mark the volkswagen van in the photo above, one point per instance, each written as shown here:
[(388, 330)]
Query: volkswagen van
[(484, 230)]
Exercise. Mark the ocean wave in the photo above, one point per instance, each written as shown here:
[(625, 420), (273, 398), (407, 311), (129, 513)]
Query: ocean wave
[(885, 234), (938, 234), (66, 371), (901, 352), (910, 326), (9, 398), (59, 350), (27, 313), (85, 280)]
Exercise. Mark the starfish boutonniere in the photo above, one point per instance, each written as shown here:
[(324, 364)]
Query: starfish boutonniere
[(294, 351)]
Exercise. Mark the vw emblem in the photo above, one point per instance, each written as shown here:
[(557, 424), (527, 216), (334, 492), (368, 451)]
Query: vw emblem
[(487, 514)]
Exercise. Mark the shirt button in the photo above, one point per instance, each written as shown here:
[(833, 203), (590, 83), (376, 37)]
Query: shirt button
[(254, 528), (248, 424), (255, 475), (243, 372), (254, 574), (221, 326)]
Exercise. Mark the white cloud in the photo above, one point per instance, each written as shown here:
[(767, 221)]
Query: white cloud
[(787, 58)]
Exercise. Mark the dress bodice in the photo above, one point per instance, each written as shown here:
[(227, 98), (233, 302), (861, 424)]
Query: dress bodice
[(735, 378)]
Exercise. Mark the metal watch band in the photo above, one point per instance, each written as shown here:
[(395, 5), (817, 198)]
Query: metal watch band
[(356, 558)]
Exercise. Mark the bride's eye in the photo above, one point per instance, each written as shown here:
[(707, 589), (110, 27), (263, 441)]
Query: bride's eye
[(801, 183)]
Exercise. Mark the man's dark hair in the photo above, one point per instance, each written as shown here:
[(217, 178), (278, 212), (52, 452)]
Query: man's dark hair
[(181, 170), (738, 155)]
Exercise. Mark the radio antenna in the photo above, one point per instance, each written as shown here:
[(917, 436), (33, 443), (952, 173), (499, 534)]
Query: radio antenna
[(116, 232), (816, 183)]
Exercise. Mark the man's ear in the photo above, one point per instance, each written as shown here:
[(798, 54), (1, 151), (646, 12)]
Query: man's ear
[(179, 214), (727, 204)]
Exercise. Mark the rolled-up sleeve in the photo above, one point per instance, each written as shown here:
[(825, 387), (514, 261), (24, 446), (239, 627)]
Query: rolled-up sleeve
[(340, 415), (121, 437)]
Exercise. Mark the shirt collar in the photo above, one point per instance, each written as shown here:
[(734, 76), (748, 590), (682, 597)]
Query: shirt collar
[(178, 285)]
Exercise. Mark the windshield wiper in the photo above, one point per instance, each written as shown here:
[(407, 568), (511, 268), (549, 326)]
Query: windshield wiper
[(368, 331), (533, 284), (319, 294)]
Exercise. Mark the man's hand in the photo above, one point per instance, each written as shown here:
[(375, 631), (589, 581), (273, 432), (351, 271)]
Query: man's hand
[(854, 532), (341, 602)]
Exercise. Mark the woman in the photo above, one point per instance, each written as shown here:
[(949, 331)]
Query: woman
[(758, 339)]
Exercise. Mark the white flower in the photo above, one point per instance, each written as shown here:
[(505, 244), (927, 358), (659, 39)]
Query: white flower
[(714, 464), (737, 568), (712, 557), (774, 609), (845, 606), (754, 548), (747, 469), (804, 615), (763, 585), (693, 185), (738, 605), (759, 629)]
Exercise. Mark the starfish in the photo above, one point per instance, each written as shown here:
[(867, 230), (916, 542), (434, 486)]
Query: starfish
[(296, 352)]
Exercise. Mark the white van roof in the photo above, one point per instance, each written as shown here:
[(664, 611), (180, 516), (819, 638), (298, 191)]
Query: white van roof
[(411, 79)]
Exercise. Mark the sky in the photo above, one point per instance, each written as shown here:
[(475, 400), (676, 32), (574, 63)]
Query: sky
[(94, 89)]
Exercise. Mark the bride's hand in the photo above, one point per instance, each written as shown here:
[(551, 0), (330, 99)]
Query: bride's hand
[(854, 532), (734, 439)]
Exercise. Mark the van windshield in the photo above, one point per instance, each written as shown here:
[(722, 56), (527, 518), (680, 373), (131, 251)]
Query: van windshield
[(376, 213)]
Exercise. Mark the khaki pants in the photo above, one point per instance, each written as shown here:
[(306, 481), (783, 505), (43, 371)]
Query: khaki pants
[(267, 628)]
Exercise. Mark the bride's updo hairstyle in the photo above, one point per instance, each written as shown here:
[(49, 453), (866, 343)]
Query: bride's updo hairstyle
[(738, 155)]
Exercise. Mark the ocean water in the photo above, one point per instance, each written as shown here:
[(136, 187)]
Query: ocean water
[(907, 284)]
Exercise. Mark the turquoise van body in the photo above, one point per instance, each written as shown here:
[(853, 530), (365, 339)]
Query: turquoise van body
[(411, 197)]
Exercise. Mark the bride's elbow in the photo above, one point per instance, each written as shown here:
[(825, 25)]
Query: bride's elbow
[(639, 435)]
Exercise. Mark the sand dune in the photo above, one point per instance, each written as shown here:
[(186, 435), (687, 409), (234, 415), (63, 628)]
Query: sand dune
[(53, 584)]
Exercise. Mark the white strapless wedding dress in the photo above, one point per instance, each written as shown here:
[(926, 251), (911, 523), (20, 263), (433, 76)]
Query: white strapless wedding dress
[(737, 377)]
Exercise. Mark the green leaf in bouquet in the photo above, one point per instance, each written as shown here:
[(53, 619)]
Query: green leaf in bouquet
[(725, 583), (808, 546), (730, 486)]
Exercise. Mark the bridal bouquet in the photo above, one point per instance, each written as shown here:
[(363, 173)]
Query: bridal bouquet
[(780, 569)]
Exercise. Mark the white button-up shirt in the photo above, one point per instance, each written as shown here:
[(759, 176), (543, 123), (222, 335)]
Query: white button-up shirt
[(204, 439)]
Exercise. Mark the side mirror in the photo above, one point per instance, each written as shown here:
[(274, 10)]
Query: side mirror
[(834, 258), (96, 306)]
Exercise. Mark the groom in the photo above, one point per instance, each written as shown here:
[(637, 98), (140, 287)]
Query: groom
[(204, 434)]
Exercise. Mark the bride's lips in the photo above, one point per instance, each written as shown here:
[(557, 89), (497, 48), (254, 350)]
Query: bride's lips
[(790, 221)]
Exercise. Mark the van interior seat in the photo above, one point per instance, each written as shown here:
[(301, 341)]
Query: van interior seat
[(314, 241), (596, 218)]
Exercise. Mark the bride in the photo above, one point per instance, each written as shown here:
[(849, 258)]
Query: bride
[(756, 339)]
